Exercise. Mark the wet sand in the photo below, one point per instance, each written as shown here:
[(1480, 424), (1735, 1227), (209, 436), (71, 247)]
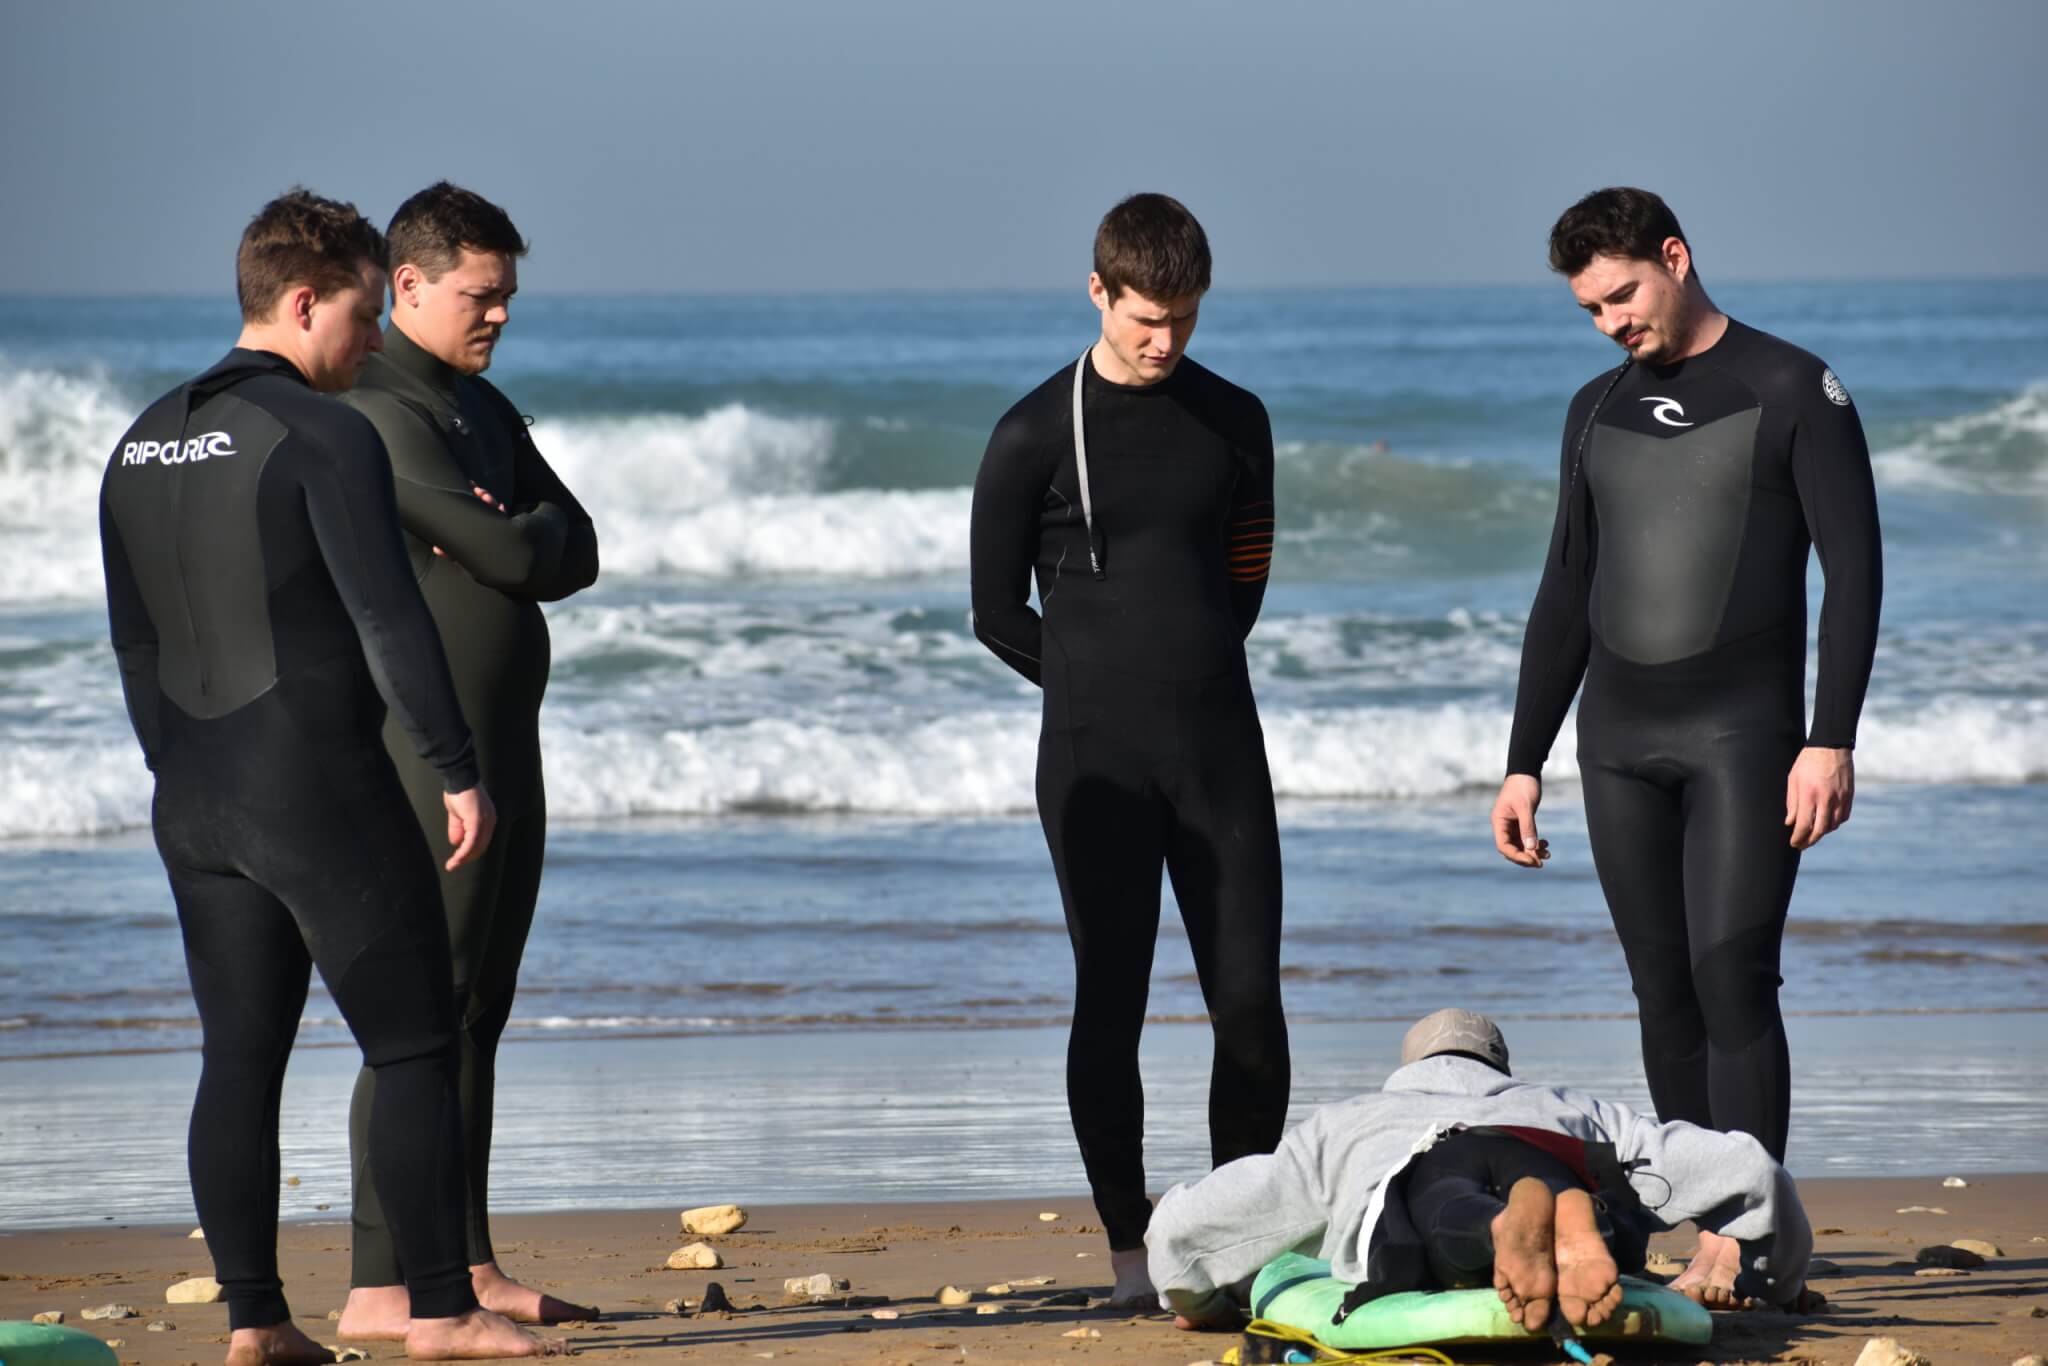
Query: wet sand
[(905, 1251)]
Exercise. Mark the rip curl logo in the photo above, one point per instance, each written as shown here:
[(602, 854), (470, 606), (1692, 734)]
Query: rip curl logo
[(1832, 387), (188, 452), (1664, 410)]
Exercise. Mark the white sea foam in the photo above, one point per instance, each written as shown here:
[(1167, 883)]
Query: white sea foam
[(55, 432), (2001, 449)]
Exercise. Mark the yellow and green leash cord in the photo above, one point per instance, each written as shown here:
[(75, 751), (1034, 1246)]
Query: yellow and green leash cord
[(1324, 1356)]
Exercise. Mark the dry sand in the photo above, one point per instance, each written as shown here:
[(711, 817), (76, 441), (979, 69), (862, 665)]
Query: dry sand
[(905, 1252)]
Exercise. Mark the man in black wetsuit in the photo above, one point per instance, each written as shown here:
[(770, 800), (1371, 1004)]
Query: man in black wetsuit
[(1693, 479), (264, 617), (1138, 487), (493, 534)]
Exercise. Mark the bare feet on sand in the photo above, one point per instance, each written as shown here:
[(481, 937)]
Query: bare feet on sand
[(1710, 1279), (1133, 1287), (1588, 1284), (1228, 1319), (279, 1344), (376, 1313), (501, 1294), (476, 1336), (1524, 1271)]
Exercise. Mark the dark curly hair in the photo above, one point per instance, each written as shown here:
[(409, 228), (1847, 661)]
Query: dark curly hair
[(299, 238)]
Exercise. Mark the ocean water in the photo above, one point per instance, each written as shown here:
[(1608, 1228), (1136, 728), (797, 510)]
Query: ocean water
[(791, 793)]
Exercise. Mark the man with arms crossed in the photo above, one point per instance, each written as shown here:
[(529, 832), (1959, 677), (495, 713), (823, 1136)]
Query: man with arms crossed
[(1694, 477), (264, 617), (1138, 487), (492, 533)]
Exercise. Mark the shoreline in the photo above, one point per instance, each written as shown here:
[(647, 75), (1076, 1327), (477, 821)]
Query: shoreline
[(902, 1251)]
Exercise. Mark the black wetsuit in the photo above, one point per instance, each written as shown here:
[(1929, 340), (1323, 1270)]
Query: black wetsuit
[(264, 616), (446, 432), (1150, 749), (1676, 585)]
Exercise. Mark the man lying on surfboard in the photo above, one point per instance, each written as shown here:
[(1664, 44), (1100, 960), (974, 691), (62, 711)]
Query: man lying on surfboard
[(1456, 1175)]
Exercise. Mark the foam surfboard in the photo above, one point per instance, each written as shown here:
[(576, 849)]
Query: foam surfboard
[(1300, 1292), (37, 1344)]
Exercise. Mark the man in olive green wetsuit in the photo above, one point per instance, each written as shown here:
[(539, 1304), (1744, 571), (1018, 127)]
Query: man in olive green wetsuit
[(493, 533)]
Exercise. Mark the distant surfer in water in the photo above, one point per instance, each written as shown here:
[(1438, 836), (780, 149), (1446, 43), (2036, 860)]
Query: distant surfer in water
[(492, 533), (1137, 487)]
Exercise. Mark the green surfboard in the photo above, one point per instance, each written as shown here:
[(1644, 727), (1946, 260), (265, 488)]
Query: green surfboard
[(1299, 1292), (37, 1344)]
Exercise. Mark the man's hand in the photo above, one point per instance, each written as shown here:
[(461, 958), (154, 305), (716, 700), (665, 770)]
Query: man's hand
[(1514, 821), (472, 820), (1818, 794)]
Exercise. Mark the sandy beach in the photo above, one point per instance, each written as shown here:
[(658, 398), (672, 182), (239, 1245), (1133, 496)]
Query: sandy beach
[(896, 1256)]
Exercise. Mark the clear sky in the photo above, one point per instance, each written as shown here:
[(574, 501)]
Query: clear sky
[(972, 144)]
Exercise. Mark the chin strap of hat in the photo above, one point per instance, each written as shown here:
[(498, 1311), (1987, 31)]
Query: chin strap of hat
[(1081, 468)]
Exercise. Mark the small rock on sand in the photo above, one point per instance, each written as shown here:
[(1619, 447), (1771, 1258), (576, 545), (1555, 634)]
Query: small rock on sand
[(884, 1314), (1047, 1217), (815, 1287), (2037, 1312), (1978, 1246), (334, 1316), (109, 1311), (999, 1288), (1949, 1255), (988, 1309), (198, 1290), (2030, 1361), (695, 1257), (1955, 1183), (715, 1301), (117, 1342), (1082, 1333), (713, 1221), (1941, 1271), (1888, 1352), (163, 1326), (1914, 1209), (953, 1295), (350, 1354), (49, 1318), (676, 1307), (197, 1233), (1821, 1266)]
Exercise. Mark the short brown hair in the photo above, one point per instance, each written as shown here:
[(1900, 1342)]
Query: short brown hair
[(432, 229), (1151, 244), (299, 238), (1618, 221)]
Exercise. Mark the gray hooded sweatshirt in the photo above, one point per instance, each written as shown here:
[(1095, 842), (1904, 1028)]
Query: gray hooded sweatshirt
[(1325, 1190)]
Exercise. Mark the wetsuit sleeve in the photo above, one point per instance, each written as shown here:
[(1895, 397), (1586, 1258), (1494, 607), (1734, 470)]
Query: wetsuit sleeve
[(135, 641), (1831, 468), (350, 503), (1249, 542), (1558, 639), (1003, 546), (436, 504), (541, 491), (1209, 1235)]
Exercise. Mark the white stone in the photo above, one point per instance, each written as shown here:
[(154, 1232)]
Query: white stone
[(117, 1342), (988, 1309), (714, 1221), (1888, 1352), (999, 1288), (1915, 1209), (109, 1311), (1932, 1271), (163, 1326), (49, 1317), (1082, 1333), (818, 1286), (954, 1295), (884, 1314), (2030, 1361), (350, 1354), (1955, 1183), (197, 1233), (198, 1290), (1978, 1246), (1047, 1217), (695, 1257)]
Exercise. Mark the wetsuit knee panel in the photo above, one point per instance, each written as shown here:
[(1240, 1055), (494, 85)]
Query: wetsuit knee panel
[(1737, 983)]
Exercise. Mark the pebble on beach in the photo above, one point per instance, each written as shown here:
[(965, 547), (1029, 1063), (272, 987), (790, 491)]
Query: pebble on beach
[(818, 1287), (988, 1309), (162, 1326), (714, 1221), (109, 1311), (350, 1354), (1889, 1352), (197, 1233), (2030, 1361), (1949, 1255), (1955, 1183), (1978, 1246), (1941, 1271), (954, 1295), (49, 1318), (197, 1290), (1082, 1333), (695, 1257), (1914, 1209), (999, 1288), (884, 1314)]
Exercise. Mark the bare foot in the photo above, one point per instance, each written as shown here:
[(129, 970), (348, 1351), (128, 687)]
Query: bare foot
[(501, 1294), (1709, 1280), (1133, 1287), (1524, 1271), (1588, 1284), (278, 1344), (478, 1335), (1228, 1319), (376, 1312)]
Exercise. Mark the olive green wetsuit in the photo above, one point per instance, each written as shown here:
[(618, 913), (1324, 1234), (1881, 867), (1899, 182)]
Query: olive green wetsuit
[(447, 431)]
